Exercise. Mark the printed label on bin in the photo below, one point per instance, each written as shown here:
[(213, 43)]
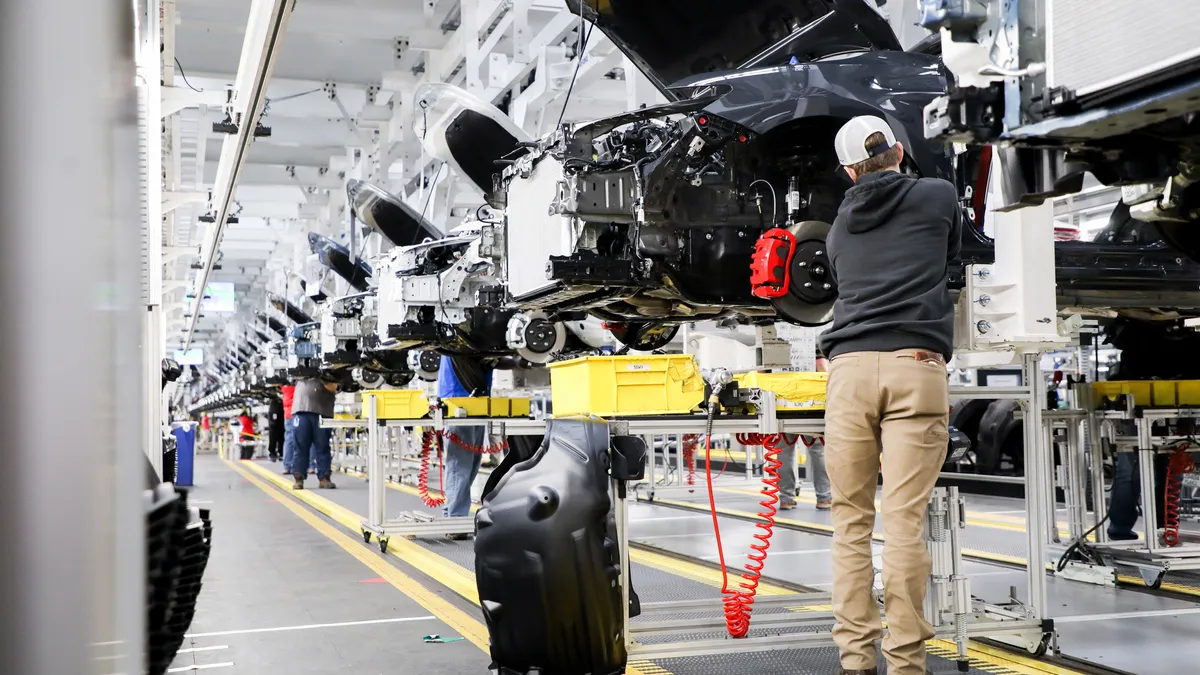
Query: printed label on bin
[(638, 366)]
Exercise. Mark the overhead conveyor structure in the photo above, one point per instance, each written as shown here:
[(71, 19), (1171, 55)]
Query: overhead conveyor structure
[(265, 29)]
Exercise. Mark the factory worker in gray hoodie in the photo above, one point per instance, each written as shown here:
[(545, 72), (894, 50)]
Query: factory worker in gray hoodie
[(891, 246)]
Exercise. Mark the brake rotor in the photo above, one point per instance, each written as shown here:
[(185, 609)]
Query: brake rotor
[(812, 290), (535, 337), (425, 363)]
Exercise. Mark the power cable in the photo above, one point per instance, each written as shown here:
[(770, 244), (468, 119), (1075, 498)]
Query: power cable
[(581, 43), (184, 76)]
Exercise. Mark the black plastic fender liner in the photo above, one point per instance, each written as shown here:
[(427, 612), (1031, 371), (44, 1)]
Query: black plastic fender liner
[(547, 559)]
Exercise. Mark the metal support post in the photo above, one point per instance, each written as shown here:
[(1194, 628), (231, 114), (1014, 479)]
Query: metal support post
[(1145, 453), (960, 585), (1075, 486), (1096, 465), (649, 441), (621, 517), (375, 484), (1049, 497), (1036, 484)]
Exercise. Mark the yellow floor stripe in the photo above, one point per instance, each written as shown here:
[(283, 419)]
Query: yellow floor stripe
[(704, 574), (986, 657), (467, 626), (447, 573), (453, 576)]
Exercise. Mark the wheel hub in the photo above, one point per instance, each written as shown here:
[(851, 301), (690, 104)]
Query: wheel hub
[(811, 278)]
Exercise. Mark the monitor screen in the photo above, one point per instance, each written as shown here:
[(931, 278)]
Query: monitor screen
[(219, 297), (191, 357)]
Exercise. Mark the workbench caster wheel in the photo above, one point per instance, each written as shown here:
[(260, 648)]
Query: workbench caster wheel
[(964, 665), (383, 544), (1042, 647), (1156, 583), (366, 536)]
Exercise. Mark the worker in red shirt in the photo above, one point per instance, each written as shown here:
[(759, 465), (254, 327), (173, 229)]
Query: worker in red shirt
[(289, 441), (205, 431), (246, 435)]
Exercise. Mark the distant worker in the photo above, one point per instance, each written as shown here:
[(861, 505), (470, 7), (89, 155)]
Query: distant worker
[(287, 393), (246, 435), (205, 431), (461, 376), (313, 400), (887, 402), (275, 430), (814, 464)]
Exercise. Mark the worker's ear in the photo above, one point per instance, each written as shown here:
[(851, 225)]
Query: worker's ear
[(900, 148), (850, 172)]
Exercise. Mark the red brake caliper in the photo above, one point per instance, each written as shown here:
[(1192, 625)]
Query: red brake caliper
[(770, 266)]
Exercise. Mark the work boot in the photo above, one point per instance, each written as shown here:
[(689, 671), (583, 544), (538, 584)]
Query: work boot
[(287, 472), (325, 483), (299, 482), (868, 671), (825, 505), (786, 504)]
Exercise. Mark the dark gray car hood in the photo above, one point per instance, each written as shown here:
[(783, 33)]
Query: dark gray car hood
[(673, 39)]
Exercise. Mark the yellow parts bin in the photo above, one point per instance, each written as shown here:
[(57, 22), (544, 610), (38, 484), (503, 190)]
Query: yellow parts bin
[(487, 407), (657, 384), (396, 404), (411, 404), (793, 391), (1152, 393)]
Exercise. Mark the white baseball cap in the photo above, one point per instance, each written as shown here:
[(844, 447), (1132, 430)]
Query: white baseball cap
[(851, 140)]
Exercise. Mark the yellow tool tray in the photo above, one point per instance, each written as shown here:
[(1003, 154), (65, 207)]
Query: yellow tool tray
[(487, 407), (396, 404), (657, 384), (793, 391), (1152, 393)]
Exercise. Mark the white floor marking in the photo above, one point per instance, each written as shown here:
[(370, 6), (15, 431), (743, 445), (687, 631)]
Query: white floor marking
[(310, 626), (207, 666), (662, 518), (202, 649), (1147, 614), (668, 536)]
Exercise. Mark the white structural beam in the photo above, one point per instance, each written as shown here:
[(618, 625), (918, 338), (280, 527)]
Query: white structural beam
[(175, 99), (264, 32), (174, 200)]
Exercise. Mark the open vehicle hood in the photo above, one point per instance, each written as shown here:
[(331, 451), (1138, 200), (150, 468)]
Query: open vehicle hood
[(673, 39)]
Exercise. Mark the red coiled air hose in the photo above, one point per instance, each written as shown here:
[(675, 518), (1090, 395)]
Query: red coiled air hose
[(485, 449), (428, 438), (690, 443), (739, 603), (1181, 463)]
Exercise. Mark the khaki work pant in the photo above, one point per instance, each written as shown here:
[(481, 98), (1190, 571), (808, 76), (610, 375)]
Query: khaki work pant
[(883, 410)]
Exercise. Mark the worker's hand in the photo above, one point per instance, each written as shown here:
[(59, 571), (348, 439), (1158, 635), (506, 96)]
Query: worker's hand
[(331, 386)]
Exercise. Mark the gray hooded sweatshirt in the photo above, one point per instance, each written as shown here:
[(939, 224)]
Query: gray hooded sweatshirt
[(891, 246)]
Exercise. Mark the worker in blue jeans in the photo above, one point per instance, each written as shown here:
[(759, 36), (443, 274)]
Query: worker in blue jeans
[(458, 377), (814, 468), (313, 401)]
